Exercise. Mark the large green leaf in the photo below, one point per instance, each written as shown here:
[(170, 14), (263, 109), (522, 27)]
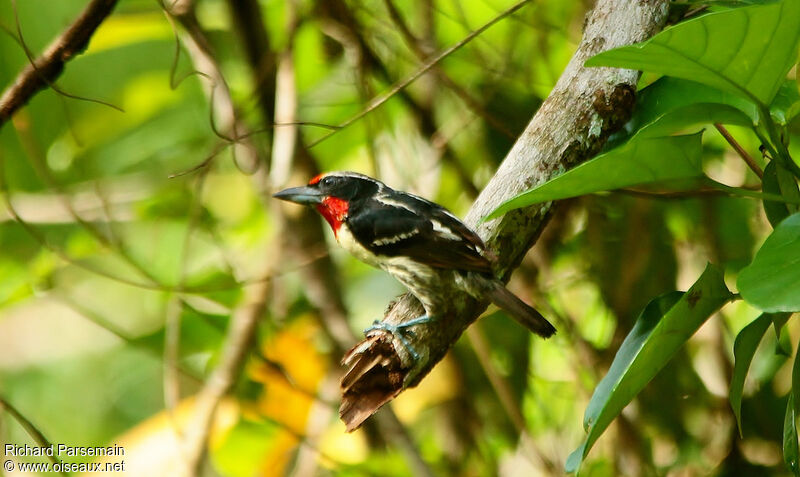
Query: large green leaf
[(671, 104), (664, 325), (639, 161), (783, 345), (772, 281), (744, 51), (743, 350)]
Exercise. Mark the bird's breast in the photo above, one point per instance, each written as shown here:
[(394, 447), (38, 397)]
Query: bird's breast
[(349, 243)]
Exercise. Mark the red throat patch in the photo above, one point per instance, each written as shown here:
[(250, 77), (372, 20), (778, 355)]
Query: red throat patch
[(334, 210)]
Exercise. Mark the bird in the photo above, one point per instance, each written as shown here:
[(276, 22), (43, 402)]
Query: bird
[(414, 240)]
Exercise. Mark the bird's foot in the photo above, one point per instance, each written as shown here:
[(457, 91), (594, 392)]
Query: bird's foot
[(401, 331)]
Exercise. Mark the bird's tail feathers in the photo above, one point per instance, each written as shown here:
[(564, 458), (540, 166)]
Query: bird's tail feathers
[(519, 310)]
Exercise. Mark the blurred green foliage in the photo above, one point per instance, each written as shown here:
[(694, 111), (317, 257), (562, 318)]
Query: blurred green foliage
[(133, 230)]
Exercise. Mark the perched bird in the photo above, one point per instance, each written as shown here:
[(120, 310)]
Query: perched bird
[(411, 238)]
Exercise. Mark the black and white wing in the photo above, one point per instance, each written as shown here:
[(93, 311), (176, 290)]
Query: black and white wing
[(406, 225)]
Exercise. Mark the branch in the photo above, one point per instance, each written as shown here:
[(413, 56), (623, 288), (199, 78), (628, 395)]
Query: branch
[(583, 109), (238, 342), (44, 70), (747, 158)]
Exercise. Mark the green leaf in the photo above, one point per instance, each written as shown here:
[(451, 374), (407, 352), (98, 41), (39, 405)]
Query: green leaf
[(790, 448), (771, 282), (774, 210), (788, 186), (783, 344), (744, 51), (744, 347), (783, 347), (791, 452), (639, 161), (626, 354), (731, 3), (664, 325), (781, 182), (786, 105), (671, 104)]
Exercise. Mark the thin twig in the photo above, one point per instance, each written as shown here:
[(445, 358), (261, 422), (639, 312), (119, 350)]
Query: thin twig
[(31, 429), (138, 344), (39, 237), (39, 165), (413, 43), (748, 159), (61, 93), (204, 164), (174, 81), (427, 65), (174, 308), (285, 138), (45, 69), (422, 112), (313, 255), (223, 118)]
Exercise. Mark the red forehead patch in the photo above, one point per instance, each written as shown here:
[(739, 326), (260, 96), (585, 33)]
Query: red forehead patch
[(316, 179)]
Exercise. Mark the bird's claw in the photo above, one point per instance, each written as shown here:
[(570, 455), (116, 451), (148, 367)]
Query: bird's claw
[(401, 331)]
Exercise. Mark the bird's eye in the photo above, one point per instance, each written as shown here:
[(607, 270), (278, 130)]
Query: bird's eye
[(327, 181)]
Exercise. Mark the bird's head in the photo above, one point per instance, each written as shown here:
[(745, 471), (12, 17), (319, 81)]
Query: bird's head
[(332, 194)]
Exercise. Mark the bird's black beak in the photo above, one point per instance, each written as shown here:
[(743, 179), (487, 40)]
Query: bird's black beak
[(301, 195)]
